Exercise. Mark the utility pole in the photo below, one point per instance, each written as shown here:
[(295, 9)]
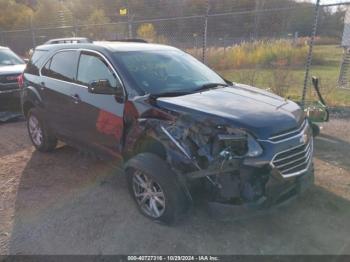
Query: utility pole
[(259, 4), (205, 31), (129, 17)]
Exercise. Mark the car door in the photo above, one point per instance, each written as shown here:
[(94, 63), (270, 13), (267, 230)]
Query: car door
[(57, 77), (99, 117)]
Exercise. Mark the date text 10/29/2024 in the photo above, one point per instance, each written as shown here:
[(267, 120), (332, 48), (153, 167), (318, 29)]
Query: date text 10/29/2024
[(173, 258)]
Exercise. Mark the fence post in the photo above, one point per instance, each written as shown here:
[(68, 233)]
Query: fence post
[(75, 27), (32, 32), (130, 19), (259, 4), (205, 32), (311, 46), (2, 34), (130, 28)]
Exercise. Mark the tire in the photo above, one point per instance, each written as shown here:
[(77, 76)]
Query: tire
[(163, 193), (41, 137)]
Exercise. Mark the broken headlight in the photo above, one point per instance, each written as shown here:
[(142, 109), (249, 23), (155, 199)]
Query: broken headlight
[(207, 143), (234, 144), (254, 148), (240, 144)]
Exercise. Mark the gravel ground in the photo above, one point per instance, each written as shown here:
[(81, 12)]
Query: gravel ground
[(65, 203)]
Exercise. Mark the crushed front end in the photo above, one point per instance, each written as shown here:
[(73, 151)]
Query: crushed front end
[(234, 166)]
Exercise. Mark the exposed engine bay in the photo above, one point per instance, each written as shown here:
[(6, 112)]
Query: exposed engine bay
[(217, 152)]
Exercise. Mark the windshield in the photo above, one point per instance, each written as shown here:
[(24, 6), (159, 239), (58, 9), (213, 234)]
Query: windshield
[(159, 72), (7, 57)]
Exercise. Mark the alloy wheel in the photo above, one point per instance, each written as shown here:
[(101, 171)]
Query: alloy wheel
[(35, 130), (149, 195)]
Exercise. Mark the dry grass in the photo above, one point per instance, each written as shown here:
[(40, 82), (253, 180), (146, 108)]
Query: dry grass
[(263, 54)]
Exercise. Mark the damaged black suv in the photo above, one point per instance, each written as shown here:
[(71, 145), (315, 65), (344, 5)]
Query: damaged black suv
[(177, 125)]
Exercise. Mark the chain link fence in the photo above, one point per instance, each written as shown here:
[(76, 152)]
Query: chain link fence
[(331, 56), (265, 45), (221, 29)]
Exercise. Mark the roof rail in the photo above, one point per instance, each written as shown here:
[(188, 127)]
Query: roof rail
[(132, 40), (68, 40)]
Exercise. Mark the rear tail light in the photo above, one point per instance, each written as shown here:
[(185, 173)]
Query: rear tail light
[(20, 81)]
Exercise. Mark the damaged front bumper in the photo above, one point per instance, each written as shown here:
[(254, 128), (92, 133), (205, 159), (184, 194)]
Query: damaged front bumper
[(258, 185), (217, 156), (258, 188), (257, 182), (278, 192)]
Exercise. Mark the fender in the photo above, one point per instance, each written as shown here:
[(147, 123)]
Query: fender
[(30, 94), (35, 94)]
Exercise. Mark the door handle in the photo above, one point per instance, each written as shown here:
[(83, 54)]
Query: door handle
[(76, 98)]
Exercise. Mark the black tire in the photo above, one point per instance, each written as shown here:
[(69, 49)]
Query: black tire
[(48, 141), (164, 180)]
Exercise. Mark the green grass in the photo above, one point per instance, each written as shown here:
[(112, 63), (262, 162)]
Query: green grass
[(289, 81), (331, 54)]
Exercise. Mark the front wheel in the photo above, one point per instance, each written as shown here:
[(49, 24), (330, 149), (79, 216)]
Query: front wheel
[(148, 194), (155, 188), (40, 136)]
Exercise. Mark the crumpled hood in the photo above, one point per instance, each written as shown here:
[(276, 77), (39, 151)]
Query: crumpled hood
[(12, 69), (253, 109)]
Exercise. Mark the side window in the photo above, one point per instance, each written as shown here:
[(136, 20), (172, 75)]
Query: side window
[(34, 63), (62, 66), (45, 71), (93, 68)]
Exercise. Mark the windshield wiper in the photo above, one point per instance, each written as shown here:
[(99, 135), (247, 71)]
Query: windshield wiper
[(171, 94), (182, 93), (210, 86)]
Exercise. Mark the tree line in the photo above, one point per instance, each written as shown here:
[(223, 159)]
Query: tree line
[(248, 18)]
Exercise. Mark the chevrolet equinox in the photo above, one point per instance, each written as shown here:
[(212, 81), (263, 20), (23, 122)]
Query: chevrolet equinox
[(175, 123)]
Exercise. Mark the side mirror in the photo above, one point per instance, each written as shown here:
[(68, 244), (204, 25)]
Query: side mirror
[(26, 60), (104, 87)]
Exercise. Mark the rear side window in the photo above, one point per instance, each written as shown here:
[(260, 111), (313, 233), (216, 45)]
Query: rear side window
[(93, 68), (62, 66), (37, 55), (34, 63)]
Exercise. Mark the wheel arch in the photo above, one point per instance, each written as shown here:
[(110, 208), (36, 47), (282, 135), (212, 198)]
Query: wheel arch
[(30, 99), (26, 107), (149, 144)]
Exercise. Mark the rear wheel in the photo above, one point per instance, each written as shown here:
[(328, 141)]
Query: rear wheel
[(40, 136), (156, 189)]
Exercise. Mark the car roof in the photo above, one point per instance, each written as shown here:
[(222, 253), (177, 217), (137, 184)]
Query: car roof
[(110, 46)]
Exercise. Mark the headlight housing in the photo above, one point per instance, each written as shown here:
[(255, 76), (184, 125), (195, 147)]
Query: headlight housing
[(254, 148), (214, 141), (240, 143)]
